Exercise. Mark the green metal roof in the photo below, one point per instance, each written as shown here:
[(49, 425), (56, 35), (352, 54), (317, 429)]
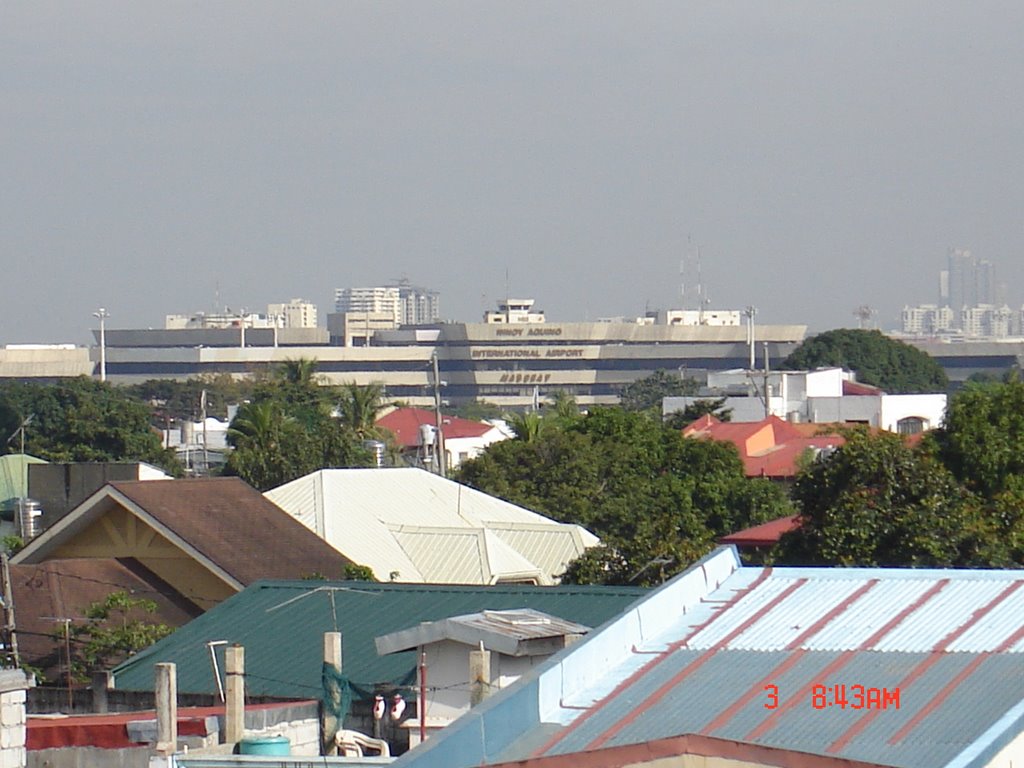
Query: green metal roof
[(14, 476), (281, 625)]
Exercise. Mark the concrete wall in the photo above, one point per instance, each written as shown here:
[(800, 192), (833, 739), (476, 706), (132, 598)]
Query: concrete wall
[(299, 723), (90, 757), (59, 488), (13, 684)]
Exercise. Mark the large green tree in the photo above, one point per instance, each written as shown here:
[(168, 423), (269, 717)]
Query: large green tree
[(292, 427), (877, 360), (80, 420), (174, 400), (877, 502), (657, 500), (982, 437), (648, 392)]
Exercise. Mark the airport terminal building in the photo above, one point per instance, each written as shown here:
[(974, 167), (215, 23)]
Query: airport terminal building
[(509, 364)]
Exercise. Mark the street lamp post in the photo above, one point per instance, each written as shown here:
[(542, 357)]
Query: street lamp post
[(102, 314), (750, 311)]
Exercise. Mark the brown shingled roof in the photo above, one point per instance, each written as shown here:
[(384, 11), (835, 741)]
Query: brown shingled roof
[(236, 527), (57, 589)]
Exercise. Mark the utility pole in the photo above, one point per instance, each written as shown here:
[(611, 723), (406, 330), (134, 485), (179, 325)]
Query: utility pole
[(102, 314), (750, 311), (10, 635), (767, 391), (206, 453)]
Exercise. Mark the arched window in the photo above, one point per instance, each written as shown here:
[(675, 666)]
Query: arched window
[(911, 425)]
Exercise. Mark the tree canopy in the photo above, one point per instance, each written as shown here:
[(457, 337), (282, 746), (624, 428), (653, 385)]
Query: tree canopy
[(173, 400), (656, 499), (649, 391), (114, 629), (81, 420), (877, 502), (878, 360), (294, 426), (982, 437)]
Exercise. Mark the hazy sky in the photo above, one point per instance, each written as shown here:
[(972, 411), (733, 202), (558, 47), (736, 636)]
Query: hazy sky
[(822, 154)]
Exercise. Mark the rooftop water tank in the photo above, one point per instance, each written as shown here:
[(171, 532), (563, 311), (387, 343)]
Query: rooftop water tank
[(376, 449), (28, 514)]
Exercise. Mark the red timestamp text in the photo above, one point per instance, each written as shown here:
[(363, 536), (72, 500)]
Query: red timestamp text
[(842, 696)]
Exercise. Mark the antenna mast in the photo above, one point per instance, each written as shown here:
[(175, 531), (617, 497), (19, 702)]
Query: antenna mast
[(864, 313)]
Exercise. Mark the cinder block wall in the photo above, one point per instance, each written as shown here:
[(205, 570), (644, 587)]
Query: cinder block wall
[(13, 684)]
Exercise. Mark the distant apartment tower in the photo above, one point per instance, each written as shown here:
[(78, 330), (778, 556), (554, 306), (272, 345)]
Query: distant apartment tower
[(407, 304), (297, 313), (380, 300), (967, 282), (419, 306), (927, 320), (987, 320)]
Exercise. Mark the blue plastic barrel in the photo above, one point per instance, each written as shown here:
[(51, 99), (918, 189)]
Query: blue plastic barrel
[(266, 745)]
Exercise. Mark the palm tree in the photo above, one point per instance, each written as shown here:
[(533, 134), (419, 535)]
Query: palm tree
[(255, 424), (563, 406), (360, 407), (527, 426), (301, 371)]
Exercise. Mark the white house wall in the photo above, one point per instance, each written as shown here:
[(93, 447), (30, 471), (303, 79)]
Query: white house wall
[(932, 408)]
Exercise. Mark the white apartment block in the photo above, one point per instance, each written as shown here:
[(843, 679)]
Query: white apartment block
[(928, 320), (408, 304), (297, 313), (380, 299)]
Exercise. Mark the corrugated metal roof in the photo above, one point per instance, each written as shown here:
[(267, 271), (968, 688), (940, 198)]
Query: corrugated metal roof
[(14, 475), (464, 556), (281, 625), (507, 632), (942, 638), (696, 655), (551, 547), (356, 510), (404, 423)]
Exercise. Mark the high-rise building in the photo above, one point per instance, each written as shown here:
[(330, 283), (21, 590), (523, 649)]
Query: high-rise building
[(960, 287), (927, 320), (297, 313), (420, 306), (377, 300), (407, 303), (967, 284)]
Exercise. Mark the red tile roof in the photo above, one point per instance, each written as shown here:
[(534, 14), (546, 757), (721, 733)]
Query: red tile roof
[(769, 448), (764, 535), (405, 424), (855, 388)]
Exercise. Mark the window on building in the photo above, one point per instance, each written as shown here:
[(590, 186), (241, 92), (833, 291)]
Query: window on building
[(911, 425)]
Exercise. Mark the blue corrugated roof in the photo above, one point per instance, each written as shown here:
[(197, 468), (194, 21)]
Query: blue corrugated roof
[(695, 656)]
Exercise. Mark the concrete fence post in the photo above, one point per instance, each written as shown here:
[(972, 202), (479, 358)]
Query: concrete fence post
[(234, 691), (329, 724), (166, 708), (479, 675), (102, 682)]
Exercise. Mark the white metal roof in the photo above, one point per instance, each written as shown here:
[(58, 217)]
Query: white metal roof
[(358, 512)]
